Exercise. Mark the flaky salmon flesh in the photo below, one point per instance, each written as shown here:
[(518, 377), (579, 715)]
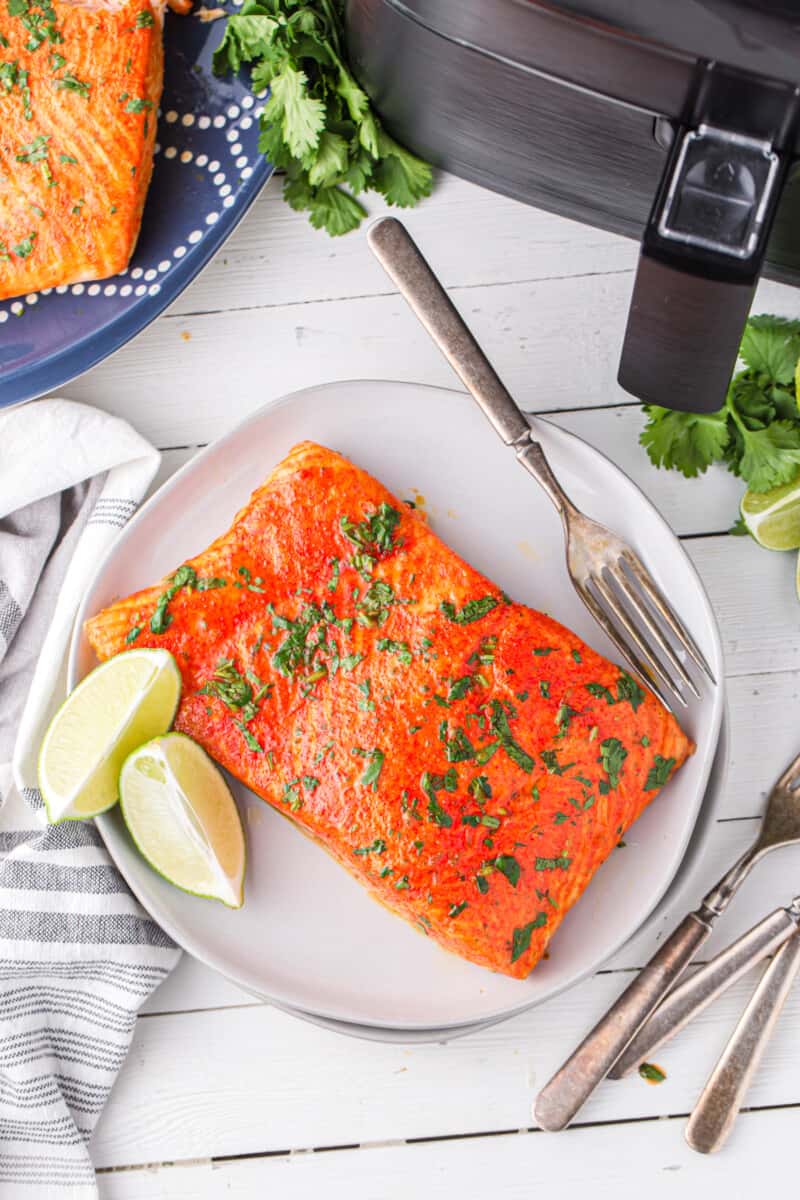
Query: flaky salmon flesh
[(469, 760), (80, 86)]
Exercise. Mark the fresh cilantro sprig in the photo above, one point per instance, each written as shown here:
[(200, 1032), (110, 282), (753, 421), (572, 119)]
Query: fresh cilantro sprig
[(756, 433), (317, 125)]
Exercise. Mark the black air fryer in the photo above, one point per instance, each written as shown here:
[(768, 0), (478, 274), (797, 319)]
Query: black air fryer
[(671, 121)]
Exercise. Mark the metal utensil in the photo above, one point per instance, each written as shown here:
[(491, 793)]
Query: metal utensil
[(570, 1087), (691, 996), (722, 1097), (606, 573)]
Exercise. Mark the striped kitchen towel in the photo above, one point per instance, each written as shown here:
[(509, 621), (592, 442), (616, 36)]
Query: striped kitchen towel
[(78, 956)]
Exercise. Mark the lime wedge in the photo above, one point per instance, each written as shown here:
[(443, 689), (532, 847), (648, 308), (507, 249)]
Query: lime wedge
[(122, 703), (773, 517), (183, 818)]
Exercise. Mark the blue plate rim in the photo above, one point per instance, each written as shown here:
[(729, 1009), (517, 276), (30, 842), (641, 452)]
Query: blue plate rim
[(61, 367)]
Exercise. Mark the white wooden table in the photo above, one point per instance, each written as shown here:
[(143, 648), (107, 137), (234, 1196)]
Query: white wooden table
[(222, 1095)]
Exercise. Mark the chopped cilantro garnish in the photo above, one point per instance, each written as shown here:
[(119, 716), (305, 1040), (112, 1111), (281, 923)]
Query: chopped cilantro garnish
[(373, 769), (498, 724), (333, 582), (553, 766), (373, 608), (553, 864), (251, 741), (480, 788), (457, 908), (375, 534), (612, 756), (431, 784), (459, 687), (473, 610), (401, 649), (458, 748), (377, 847), (658, 773), (144, 19), (25, 247), (69, 83), (35, 151), (521, 938), (508, 866)]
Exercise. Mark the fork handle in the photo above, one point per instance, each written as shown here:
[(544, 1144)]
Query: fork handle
[(560, 1099), (722, 1097), (694, 994), (405, 265)]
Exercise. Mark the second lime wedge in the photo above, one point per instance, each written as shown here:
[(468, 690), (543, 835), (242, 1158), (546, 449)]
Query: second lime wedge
[(183, 818), (773, 518)]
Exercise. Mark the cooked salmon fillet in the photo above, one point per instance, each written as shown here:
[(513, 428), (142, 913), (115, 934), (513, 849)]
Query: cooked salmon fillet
[(79, 91), (469, 760)]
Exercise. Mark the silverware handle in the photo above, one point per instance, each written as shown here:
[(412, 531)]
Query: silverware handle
[(722, 1097), (403, 262), (571, 1086), (691, 996)]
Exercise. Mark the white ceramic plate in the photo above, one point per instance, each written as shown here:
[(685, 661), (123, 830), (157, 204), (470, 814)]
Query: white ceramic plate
[(308, 936)]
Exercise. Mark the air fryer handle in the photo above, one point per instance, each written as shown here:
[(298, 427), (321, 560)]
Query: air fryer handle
[(702, 253), (682, 336)]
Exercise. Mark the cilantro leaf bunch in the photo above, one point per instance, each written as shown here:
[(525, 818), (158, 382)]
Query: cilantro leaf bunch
[(317, 125), (756, 433)]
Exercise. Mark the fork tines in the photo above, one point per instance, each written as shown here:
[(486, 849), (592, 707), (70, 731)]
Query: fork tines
[(641, 623)]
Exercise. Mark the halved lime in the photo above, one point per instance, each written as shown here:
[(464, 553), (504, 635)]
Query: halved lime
[(773, 517), (122, 703), (183, 818)]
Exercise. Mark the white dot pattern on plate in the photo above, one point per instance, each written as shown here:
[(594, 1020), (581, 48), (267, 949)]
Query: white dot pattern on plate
[(245, 112)]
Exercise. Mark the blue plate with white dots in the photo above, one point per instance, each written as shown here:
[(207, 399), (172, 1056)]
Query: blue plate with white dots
[(207, 172)]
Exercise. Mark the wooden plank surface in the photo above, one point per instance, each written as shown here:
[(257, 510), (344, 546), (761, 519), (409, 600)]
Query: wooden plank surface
[(626, 1161), (231, 1089)]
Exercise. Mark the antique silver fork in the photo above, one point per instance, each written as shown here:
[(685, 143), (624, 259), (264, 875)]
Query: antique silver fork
[(607, 574)]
